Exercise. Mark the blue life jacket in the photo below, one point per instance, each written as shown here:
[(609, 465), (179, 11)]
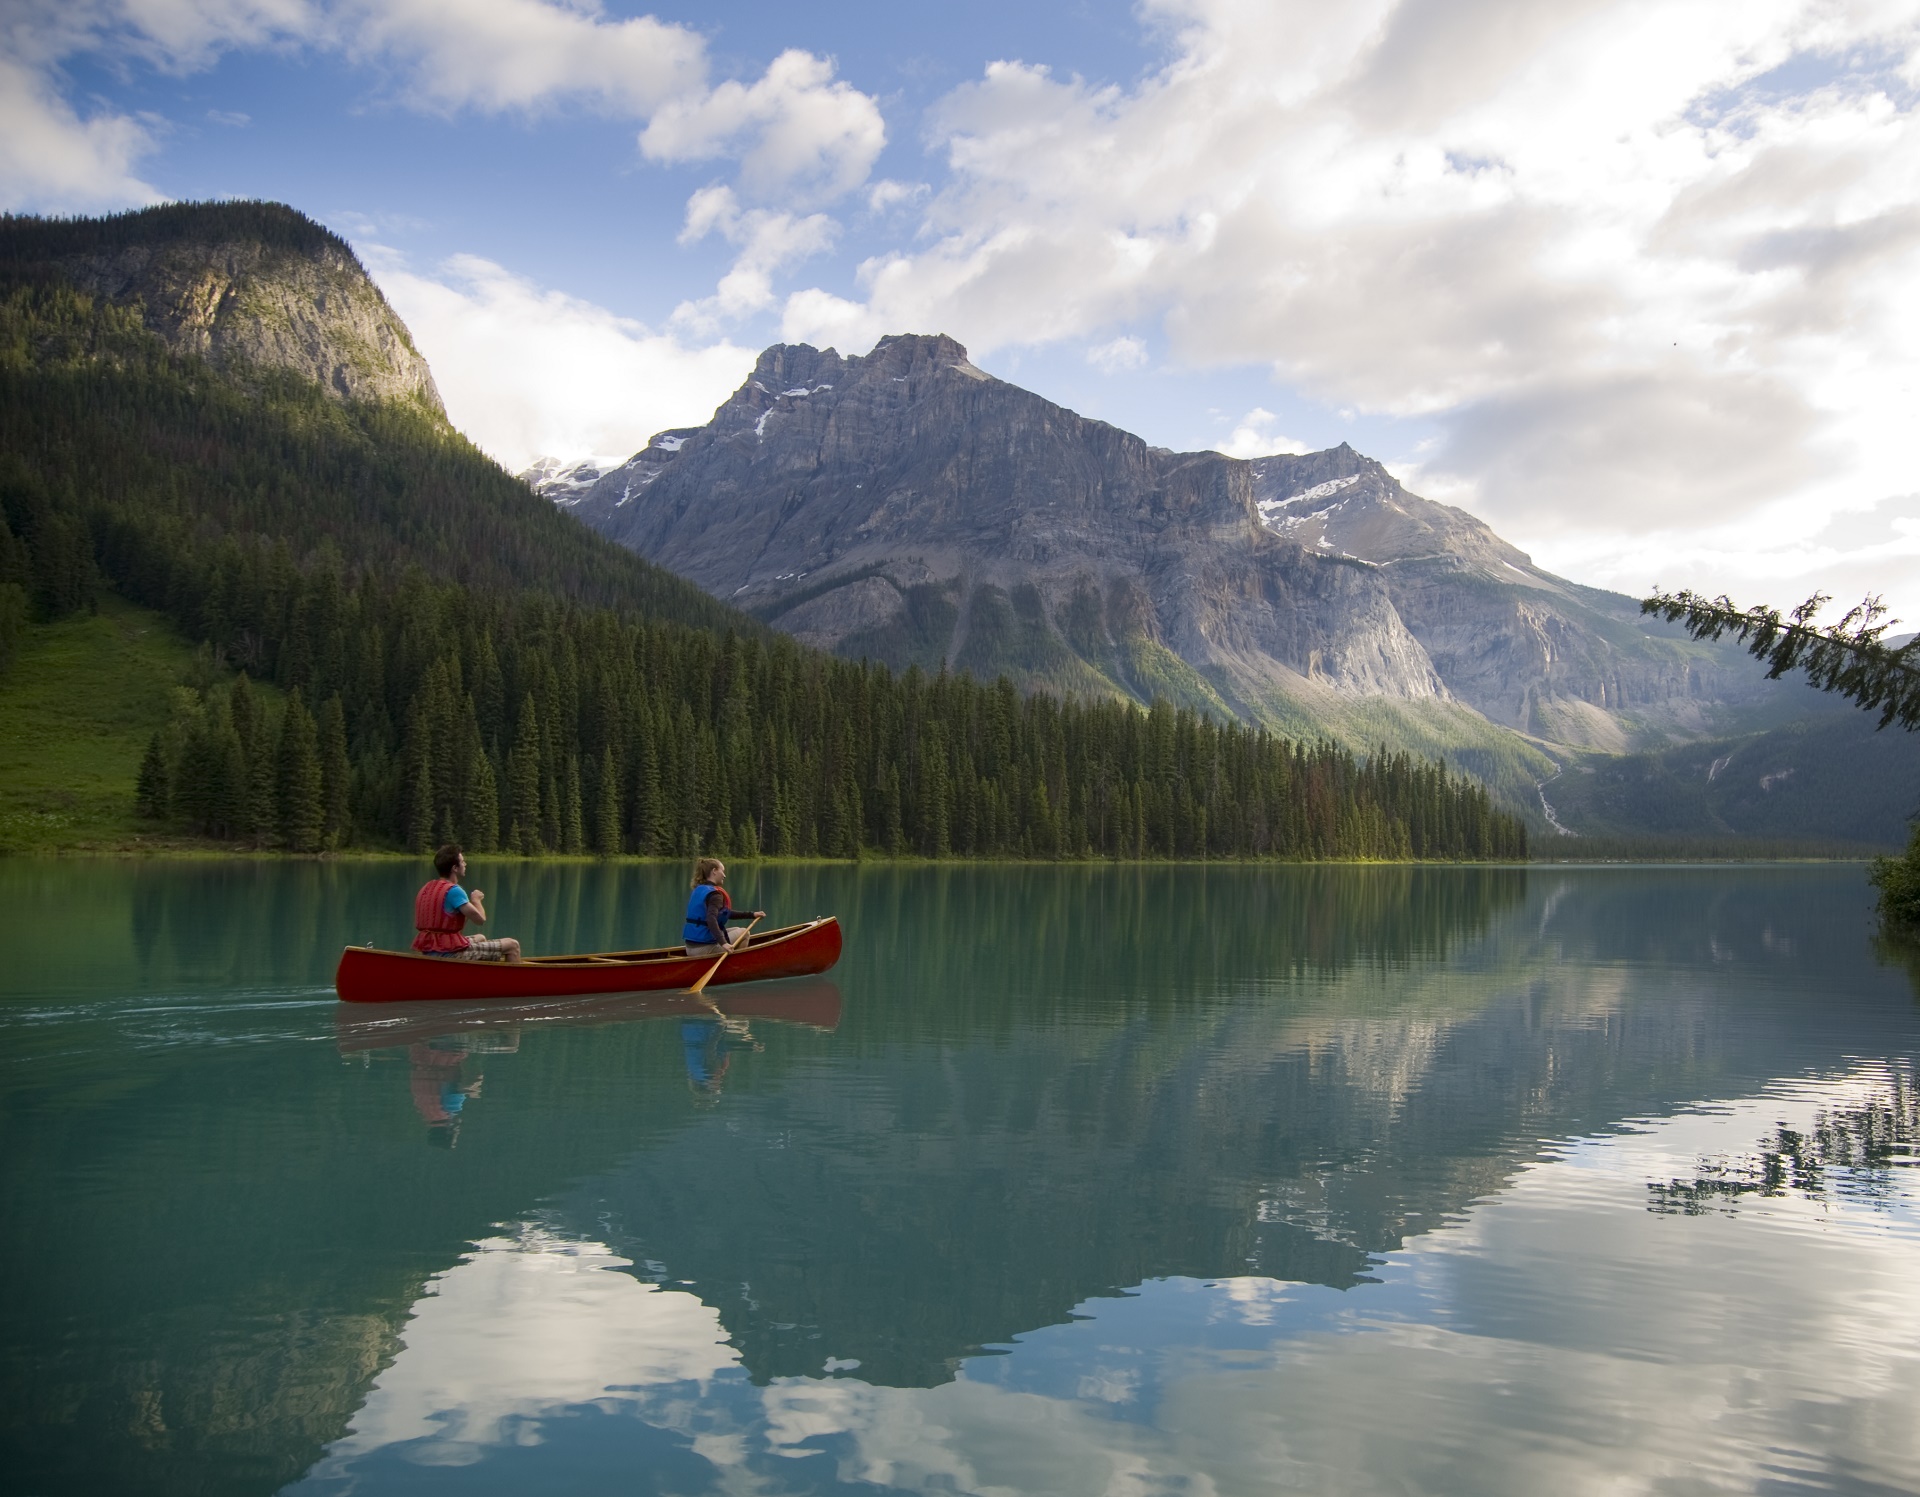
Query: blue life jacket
[(696, 927)]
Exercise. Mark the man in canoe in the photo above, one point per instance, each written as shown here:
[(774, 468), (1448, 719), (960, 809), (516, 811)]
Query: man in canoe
[(442, 908), (708, 911)]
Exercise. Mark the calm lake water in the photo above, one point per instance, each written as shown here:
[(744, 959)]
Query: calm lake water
[(1065, 1181)]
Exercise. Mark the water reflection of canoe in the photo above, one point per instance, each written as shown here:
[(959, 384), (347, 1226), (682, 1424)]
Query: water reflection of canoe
[(367, 975), (814, 1002)]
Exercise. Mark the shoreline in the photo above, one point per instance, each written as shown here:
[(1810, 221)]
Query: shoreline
[(184, 852)]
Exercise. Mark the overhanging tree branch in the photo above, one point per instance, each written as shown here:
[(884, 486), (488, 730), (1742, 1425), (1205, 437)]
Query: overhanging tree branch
[(1847, 658)]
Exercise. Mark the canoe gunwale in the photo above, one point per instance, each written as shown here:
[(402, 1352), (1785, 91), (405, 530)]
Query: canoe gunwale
[(638, 958)]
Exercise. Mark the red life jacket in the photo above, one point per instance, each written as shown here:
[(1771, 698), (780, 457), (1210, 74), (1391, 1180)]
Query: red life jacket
[(439, 931)]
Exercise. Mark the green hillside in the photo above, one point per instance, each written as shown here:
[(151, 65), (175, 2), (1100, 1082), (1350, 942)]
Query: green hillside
[(76, 710), (460, 660)]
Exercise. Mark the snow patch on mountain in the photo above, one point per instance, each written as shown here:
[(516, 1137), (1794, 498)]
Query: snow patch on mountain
[(566, 483)]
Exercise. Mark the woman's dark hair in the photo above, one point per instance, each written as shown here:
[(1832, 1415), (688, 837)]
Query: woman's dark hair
[(444, 859)]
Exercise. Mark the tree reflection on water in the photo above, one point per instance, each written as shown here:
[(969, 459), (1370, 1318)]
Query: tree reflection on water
[(1848, 1152)]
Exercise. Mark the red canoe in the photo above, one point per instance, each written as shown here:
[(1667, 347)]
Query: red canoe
[(367, 975)]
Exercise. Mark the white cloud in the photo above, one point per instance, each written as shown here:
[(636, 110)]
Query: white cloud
[(768, 241), (1121, 353), (53, 161), (527, 54), (528, 372), (886, 194), (1627, 271), (800, 135), (1255, 436)]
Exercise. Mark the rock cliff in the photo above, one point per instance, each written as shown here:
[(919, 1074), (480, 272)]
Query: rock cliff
[(909, 507), (242, 285)]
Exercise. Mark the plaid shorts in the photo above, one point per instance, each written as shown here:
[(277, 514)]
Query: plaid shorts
[(480, 949)]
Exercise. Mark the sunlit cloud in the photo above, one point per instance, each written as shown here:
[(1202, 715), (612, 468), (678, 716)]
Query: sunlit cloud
[(529, 372), (1255, 435)]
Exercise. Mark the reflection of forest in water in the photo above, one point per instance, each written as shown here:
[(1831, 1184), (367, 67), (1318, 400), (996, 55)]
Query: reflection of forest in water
[(1186, 926), (1048, 1084), (226, 926)]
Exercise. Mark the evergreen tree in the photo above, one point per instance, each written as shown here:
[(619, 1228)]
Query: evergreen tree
[(523, 785), (302, 810), (336, 775), (573, 837), (606, 810), (552, 827), (263, 797), (195, 774), (417, 780), (150, 793), (244, 707)]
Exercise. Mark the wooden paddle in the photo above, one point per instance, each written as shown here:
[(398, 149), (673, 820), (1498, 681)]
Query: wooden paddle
[(698, 986)]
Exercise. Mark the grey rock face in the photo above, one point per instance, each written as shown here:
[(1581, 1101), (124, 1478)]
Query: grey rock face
[(1568, 664), (909, 507), (239, 303), (1063, 550)]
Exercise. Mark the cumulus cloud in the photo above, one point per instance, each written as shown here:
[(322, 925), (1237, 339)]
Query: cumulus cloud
[(1122, 353), (1634, 261), (529, 372), (799, 133), (527, 54), (53, 161), (768, 240), (1255, 436)]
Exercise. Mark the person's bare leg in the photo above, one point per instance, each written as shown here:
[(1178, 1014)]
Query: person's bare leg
[(511, 947)]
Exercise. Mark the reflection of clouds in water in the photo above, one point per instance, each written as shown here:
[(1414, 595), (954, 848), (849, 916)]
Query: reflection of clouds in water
[(519, 1326), (1584, 1344), (1558, 1337), (1251, 1301)]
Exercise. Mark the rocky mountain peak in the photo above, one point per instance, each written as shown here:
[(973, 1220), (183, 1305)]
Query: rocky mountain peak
[(907, 355), (243, 285), (905, 506), (795, 366)]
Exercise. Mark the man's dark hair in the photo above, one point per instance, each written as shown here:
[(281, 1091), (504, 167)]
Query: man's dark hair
[(444, 859)]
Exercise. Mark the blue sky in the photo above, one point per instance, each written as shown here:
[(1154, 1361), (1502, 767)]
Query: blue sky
[(1634, 281)]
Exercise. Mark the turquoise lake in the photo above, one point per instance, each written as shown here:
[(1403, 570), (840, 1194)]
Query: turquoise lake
[(1066, 1180)]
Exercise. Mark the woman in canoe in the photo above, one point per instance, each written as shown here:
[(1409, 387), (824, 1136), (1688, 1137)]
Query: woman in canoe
[(442, 908), (708, 911)]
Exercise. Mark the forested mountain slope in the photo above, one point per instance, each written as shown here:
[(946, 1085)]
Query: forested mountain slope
[(461, 660), (1828, 773)]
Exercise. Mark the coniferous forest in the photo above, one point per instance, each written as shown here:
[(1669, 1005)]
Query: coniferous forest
[(404, 645)]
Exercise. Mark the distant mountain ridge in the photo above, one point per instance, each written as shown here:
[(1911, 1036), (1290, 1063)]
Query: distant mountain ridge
[(907, 506)]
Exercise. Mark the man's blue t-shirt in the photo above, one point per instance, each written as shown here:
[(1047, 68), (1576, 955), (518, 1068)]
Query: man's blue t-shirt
[(456, 896)]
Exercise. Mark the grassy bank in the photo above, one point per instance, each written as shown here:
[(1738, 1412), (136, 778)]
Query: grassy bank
[(76, 710)]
